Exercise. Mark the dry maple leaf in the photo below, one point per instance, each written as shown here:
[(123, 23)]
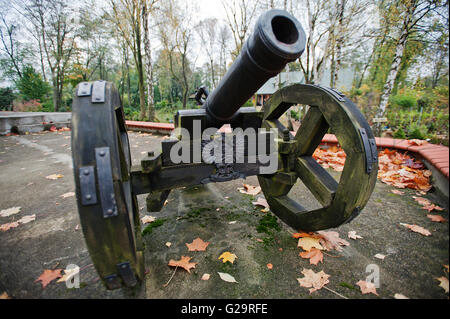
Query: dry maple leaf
[(48, 276), (367, 287), (168, 244), (197, 245), (332, 241), (397, 192), (315, 256), (307, 243), (147, 219), (417, 229), (432, 207), (226, 277), (437, 218), (400, 296), (69, 194), (54, 176), (9, 211), (227, 256), (7, 226), (352, 235), (422, 201), (205, 277), (4, 296), (417, 142), (250, 189), (183, 263), (303, 234), (27, 219), (444, 283), (380, 256), (314, 280)]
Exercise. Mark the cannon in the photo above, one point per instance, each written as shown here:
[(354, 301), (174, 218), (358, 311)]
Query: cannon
[(197, 153)]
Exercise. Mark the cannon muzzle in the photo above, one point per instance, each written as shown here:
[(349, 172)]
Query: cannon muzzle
[(278, 38)]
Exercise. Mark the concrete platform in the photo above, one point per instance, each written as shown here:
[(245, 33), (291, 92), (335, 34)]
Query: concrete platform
[(217, 213), (32, 122)]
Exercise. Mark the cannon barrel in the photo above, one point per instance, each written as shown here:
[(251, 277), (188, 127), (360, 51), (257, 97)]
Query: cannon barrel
[(278, 38)]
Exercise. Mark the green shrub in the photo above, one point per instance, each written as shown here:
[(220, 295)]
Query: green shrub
[(6, 98), (295, 115), (417, 132), (405, 101), (399, 133)]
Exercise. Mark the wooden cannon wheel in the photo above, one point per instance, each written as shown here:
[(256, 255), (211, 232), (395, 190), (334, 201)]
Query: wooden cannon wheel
[(108, 209), (341, 201)]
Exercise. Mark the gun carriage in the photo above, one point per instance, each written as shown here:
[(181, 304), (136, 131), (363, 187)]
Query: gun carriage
[(107, 184)]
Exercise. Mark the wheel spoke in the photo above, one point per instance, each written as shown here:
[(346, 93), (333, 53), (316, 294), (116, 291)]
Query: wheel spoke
[(311, 131), (321, 184)]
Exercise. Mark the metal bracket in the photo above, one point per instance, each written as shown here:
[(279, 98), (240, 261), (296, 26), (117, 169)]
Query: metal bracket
[(105, 182), (98, 91), (370, 150), (84, 89), (127, 274), (338, 95), (112, 282), (87, 186)]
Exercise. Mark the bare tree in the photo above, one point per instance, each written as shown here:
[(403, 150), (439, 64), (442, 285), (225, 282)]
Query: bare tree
[(54, 21), (147, 7), (240, 14), (207, 30)]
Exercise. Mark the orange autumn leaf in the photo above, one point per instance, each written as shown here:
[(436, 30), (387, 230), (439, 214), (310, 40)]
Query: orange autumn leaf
[(367, 287), (250, 189), (313, 280), (269, 266), (436, 218), (417, 229), (197, 245), (183, 263), (315, 256), (48, 276), (432, 207)]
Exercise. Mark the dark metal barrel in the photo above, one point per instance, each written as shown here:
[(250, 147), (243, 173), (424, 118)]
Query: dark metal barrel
[(278, 38)]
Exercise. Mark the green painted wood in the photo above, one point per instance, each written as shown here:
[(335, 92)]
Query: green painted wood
[(321, 184), (341, 201), (113, 240)]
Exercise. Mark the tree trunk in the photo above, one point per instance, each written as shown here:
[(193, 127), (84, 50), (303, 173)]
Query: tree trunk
[(148, 63)]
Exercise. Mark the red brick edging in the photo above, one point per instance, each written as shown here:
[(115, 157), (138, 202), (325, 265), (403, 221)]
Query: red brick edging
[(437, 155)]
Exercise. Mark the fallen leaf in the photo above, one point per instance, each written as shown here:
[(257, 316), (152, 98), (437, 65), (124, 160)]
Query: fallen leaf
[(147, 219), (314, 280), (4, 296), (205, 277), (307, 243), (168, 244), (249, 189), (400, 296), (269, 266), (227, 256), (315, 256), (417, 229), (232, 222), (197, 245), (367, 287), (446, 267), (261, 202), (417, 142), (332, 241), (422, 201), (9, 211), (27, 219), (183, 263), (48, 276), (380, 256), (444, 283), (226, 277), (397, 192), (8, 226), (77, 227), (432, 207), (54, 176), (69, 194), (352, 235), (437, 218)]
